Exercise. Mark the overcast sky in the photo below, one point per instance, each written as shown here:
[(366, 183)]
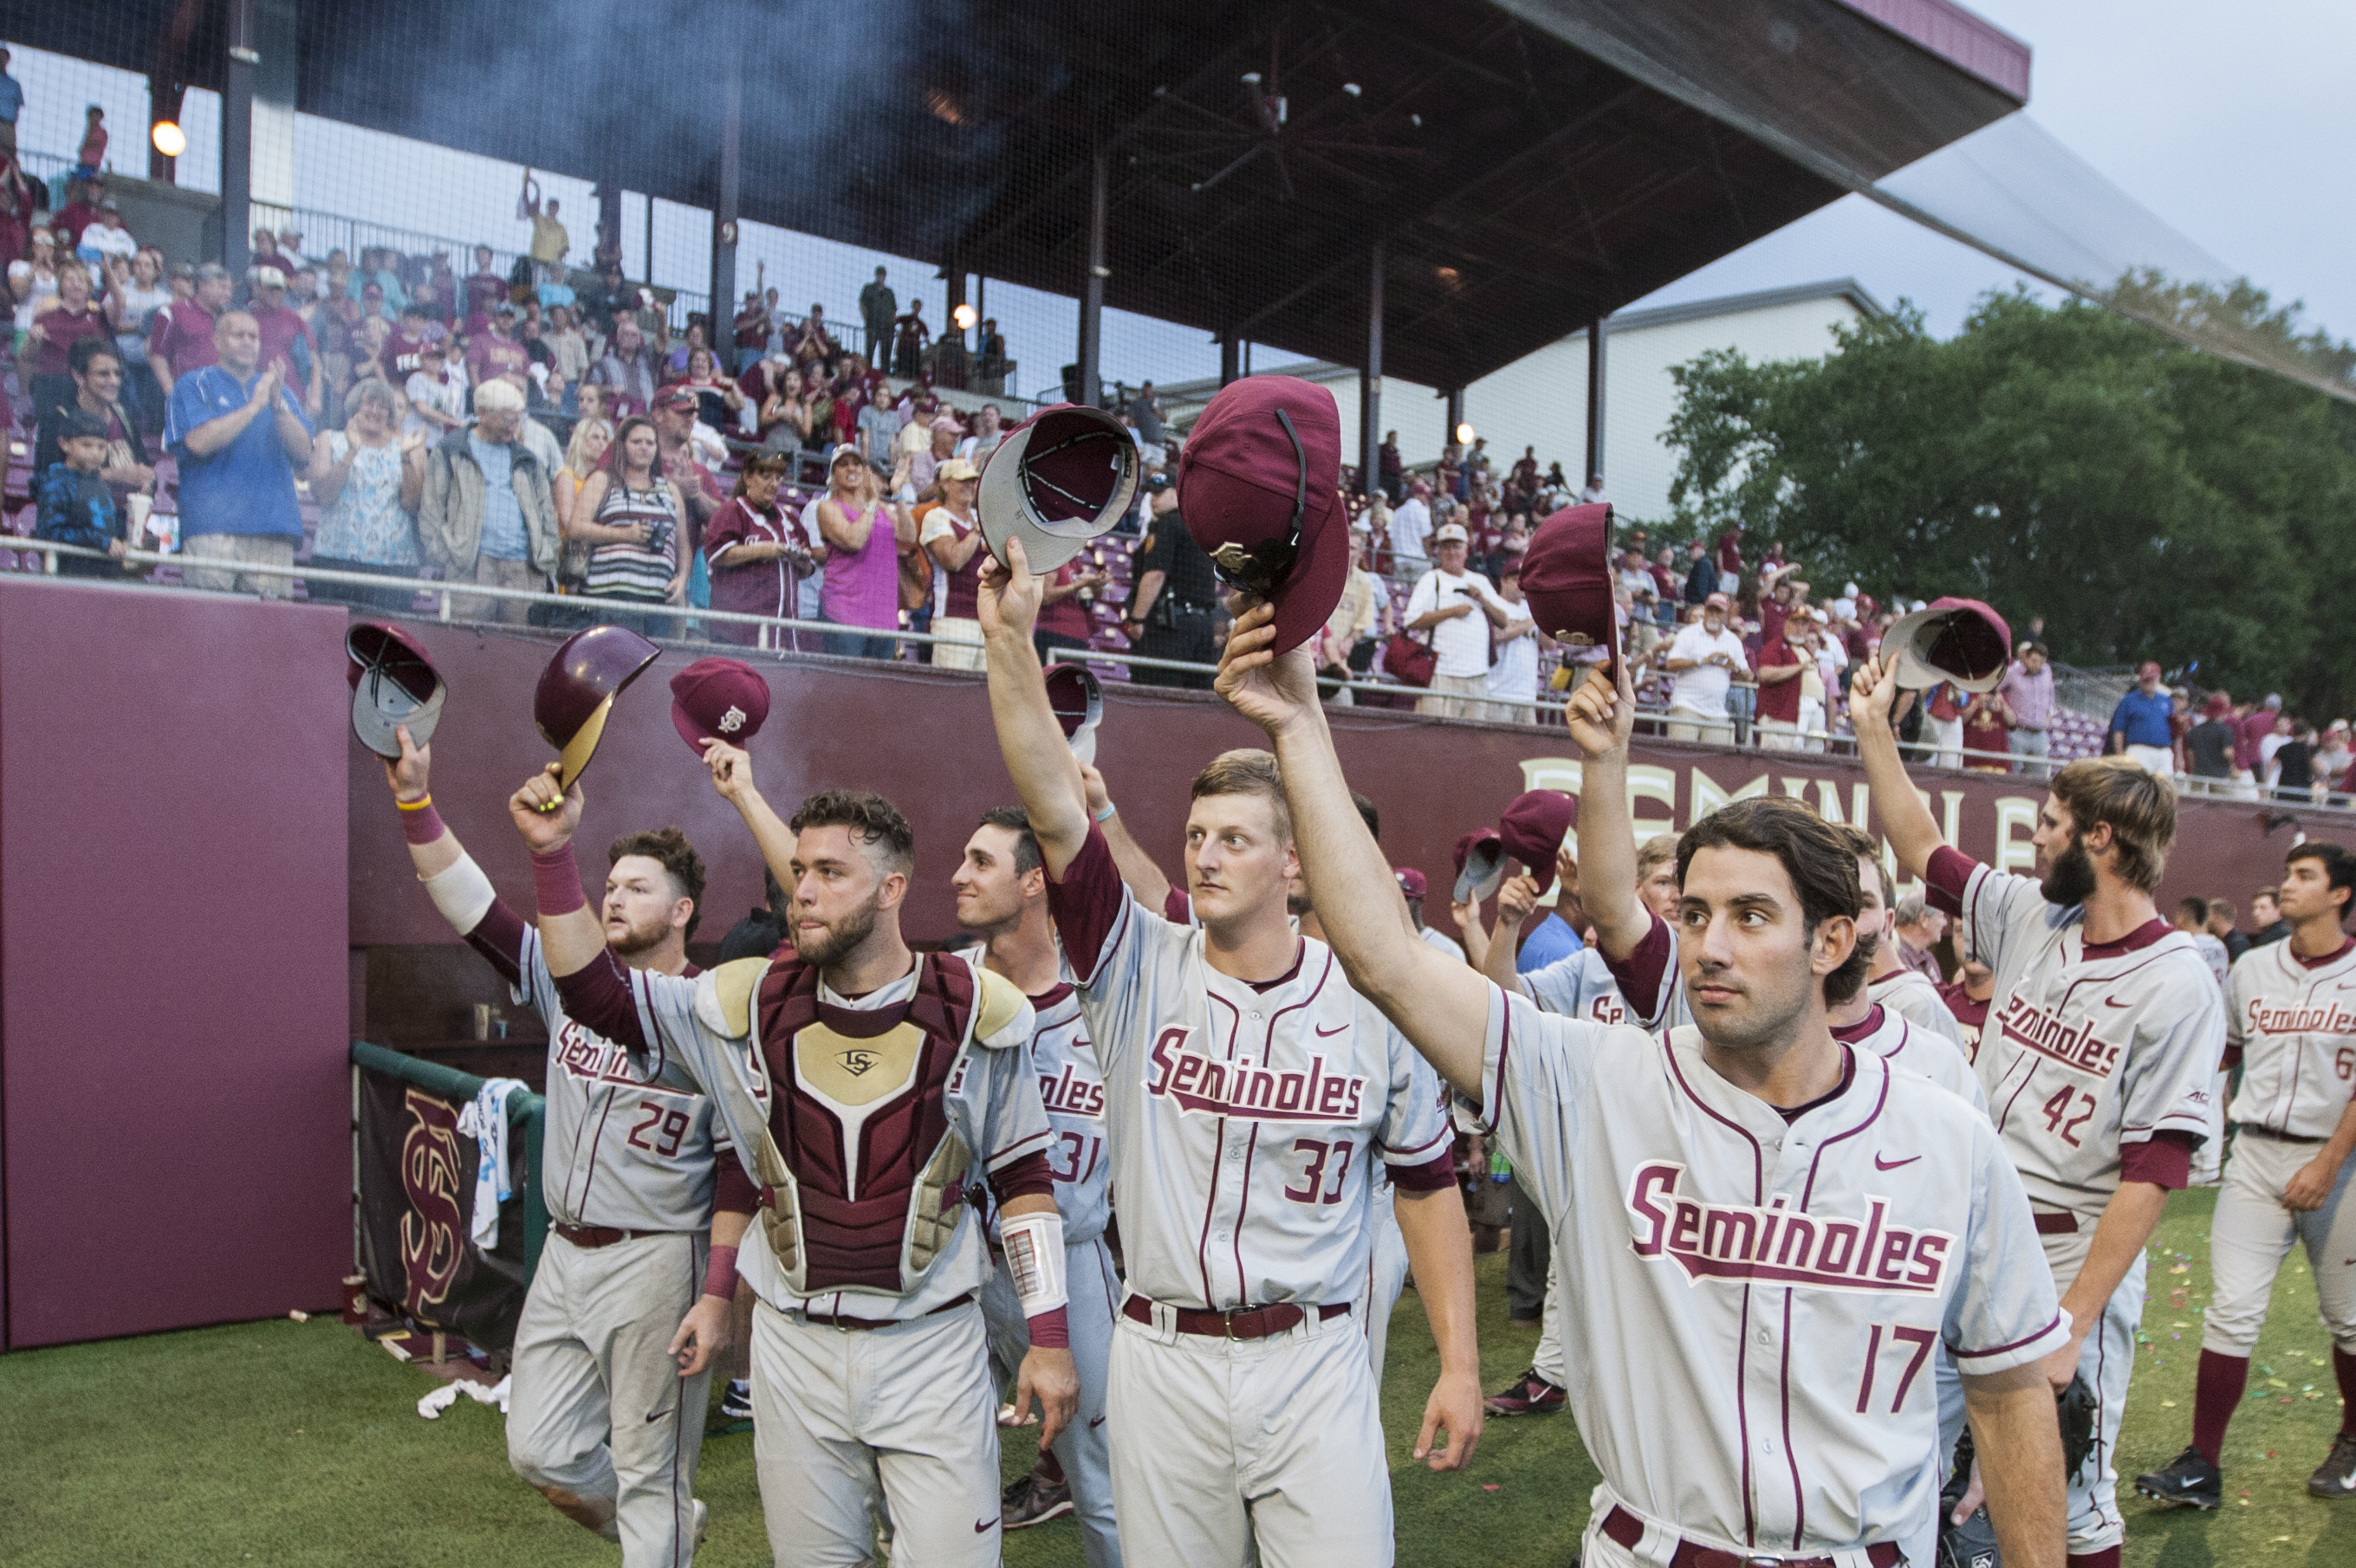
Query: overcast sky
[(2229, 122)]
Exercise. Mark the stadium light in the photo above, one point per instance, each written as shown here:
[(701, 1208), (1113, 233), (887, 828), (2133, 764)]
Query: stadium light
[(1465, 435), (169, 139), (965, 316)]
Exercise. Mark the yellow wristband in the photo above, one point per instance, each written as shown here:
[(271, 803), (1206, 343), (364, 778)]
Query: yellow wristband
[(413, 804)]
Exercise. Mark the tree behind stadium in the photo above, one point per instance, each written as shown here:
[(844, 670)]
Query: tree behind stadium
[(2148, 500)]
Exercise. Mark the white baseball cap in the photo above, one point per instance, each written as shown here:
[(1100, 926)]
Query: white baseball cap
[(1450, 533)]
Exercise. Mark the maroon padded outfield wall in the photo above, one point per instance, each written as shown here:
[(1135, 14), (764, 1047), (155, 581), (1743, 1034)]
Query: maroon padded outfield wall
[(172, 995)]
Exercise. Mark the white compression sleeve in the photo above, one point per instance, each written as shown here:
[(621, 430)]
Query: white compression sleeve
[(462, 894), (1034, 1256)]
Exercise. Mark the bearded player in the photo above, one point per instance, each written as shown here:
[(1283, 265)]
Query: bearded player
[(614, 1353), (2289, 1019), (1770, 1231), (1002, 896), (2098, 1052), (1247, 1090), (867, 1085)]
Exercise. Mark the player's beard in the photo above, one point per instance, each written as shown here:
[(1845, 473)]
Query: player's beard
[(842, 938), (638, 939), (2071, 879)]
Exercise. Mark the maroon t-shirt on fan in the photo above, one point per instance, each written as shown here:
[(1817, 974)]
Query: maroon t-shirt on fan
[(1779, 699), (1067, 616)]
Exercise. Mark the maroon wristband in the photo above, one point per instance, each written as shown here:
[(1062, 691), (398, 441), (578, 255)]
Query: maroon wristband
[(720, 1273), (1051, 1330), (556, 881), (423, 826)]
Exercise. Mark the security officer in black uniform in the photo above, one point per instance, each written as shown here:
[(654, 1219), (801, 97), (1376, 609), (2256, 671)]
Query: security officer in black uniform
[(1171, 606)]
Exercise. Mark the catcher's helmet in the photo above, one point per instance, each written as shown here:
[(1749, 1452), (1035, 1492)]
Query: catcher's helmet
[(578, 687), (392, 683)]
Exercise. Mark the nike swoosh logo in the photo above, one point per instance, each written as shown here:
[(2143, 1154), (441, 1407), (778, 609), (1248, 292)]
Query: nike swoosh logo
[(655, 1416), (1881, 1164), (1324, 1031), (2108, 1002), (983, 1526), (1099, 1421)]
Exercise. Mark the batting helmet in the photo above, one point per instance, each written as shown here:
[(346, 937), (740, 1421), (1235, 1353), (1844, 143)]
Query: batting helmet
[(392, 683), (1057, 480), (578, 687), (1078, 702)]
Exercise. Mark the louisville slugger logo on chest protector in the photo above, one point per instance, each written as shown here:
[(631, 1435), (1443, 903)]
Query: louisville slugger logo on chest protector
[(1781, 1245), (1196, 1084), (2075, 1046)]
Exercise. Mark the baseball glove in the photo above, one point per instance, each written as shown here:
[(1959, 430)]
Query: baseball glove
[(2078, 1407)]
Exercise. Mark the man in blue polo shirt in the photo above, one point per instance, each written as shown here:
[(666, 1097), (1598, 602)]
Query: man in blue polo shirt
[(240, 437), (2139, 724)]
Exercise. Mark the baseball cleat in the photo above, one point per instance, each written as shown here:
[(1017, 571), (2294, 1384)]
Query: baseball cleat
[(2191, 1480), (1528, 1394), (1032, 1501), (2336, 1476), (702, 1519), (736, 1404)]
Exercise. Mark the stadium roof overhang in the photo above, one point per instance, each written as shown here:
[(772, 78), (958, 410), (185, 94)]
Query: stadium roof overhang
[(1529, 165)]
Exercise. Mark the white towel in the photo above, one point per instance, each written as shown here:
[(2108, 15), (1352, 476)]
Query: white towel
[(431, 1406), (487, 1120)]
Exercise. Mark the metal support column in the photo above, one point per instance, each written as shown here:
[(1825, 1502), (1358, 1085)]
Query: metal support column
[(1596, 331), (1091, 389), (237, 140), (1455, 414), (951, 344), (1231, 358), (722, 334), (1370, 383)]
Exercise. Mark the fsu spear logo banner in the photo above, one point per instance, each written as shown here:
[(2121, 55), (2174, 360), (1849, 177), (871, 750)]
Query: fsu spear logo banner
[(416, 1196)]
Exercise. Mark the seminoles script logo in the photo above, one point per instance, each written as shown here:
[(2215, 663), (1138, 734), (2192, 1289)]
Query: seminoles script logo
[(2033, 1029), (1244, 1089), (593, 1057), (1778, 1246), (2315, 1017), (433, 1231)]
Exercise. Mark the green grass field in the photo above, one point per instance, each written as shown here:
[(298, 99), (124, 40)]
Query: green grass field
[(286, 1444)]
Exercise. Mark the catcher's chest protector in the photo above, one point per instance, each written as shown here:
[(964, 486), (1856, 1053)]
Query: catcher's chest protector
[(862, 1179)]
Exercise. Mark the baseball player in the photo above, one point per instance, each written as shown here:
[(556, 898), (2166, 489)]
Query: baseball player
[(614, 1353), (1863, 1019), (1247, 1090), (2290, 1019), (1772, 1232), (2097, 1055), (1002, 896), (866, 1084)]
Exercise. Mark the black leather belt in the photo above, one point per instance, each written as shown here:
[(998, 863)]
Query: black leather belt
[(825, 1321), (1627, 1529), (2057, 1225), (593, 1236), (2252, 1129)]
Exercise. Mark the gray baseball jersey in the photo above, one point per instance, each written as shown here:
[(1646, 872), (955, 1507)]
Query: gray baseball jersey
[(2293, 1022), (1578, 985), (1901, 1042), (1241, 1118), (615, 1150), (1913, 997), (1789, 1275), (2098, 1058), (1072, 1090)]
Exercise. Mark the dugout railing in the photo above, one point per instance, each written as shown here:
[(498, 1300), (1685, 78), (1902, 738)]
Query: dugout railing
[(526, 1116)]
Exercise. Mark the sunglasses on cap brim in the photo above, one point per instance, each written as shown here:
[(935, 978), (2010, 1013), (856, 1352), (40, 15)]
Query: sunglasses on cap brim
[(1263, 568)]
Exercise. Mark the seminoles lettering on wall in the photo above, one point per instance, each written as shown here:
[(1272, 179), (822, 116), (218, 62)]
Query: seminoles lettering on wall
[(434, 1232), (1779, 1245), (2031, 1027), (1247, 1088)]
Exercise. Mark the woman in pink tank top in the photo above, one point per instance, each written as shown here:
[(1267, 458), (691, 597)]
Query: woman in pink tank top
[(862, 567)]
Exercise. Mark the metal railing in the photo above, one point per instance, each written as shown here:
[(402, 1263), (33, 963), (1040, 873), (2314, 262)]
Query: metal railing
[(526, 1112), (774, 638)]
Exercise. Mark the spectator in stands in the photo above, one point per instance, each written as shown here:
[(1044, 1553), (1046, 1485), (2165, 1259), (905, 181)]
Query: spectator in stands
[(367, 479), (1780, 669), (718, 399), (2224, 924), (285, 339), (788, 420), (1412, 526), (431, 410), (1171, 601), (568, 350), (79, 213), (909, 335), (290, 245), (878, 309), (1391, 471), (73, 504), (583, 455), (1983, 735), (18, 204), (2209, 747), (627, 371), (549, 240), (106, 240), (95, 368), (862, 590), (950, 531), (754, 552), (988, 432), (493, 349), (486, 290), (751, 330), (675, 356), (811, 346), (2293, 769), (1704, 658), (634, 522), (1346, 643), (1943, 716), (699, 490), (989, 363), (1146, 410), (1514, 668), (378, 271), (139, 295), (2191, 918), (239, 436), (12, 104), (1701, 573), (487, 515), (1062, 623), (2139, 724), (2333, 760), (2250, 733), (2028, 693), (2266, 913), (58, 324), (1456, 607), (1588, 496), (1918, 926)]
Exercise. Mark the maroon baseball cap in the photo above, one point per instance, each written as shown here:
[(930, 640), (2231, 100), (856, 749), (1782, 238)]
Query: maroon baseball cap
[(1567, 579), (577, 691), (1533, 828), (393, 683), (1410, 881), (676, 397), (1257, 486), (1960, 640), (718, 700), (1057, 480), (1480, 865), (1077, 698)]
